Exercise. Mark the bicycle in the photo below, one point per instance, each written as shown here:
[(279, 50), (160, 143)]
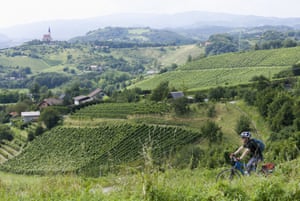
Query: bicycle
[(238, 169)]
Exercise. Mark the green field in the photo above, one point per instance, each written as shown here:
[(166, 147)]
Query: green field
[(36, 65)]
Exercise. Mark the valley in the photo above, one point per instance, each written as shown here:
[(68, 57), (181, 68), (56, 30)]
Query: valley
[(136, 120)]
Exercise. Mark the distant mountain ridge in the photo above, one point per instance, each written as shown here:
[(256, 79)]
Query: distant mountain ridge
[(141, 35), (66, 29)]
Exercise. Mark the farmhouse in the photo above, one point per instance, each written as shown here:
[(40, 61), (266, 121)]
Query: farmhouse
[(97, 93), (81, 99), (50, 102), (30, 116), (95, 68), (176, 94)]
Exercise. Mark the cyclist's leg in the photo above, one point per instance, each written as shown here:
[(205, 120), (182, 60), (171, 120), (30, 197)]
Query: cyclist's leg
[(251, 165)]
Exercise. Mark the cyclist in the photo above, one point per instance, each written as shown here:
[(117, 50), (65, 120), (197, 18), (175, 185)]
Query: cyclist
[(252, 148)]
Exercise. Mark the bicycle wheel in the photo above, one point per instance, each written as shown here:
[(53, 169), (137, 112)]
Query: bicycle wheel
[(228, 174)]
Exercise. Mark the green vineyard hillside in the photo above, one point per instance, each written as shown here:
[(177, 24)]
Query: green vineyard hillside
[(230, 69), (260, 58), (194, 80), (89, 149)]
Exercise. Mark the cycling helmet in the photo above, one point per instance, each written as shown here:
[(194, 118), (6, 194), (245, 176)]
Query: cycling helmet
[(246, 134)]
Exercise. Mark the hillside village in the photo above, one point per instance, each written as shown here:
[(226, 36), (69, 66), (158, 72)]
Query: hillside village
[(33, 116)]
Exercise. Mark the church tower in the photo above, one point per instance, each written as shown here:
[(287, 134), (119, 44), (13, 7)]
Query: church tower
[(47, 37)]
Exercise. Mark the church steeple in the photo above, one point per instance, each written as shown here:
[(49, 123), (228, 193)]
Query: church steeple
[(47, 37)]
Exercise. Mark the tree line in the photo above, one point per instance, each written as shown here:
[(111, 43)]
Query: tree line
[(241, 41)]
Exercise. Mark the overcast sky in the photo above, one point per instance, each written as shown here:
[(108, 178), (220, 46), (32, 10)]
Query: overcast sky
[(24, 11)]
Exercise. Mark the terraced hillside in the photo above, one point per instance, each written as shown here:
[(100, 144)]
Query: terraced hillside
[(226, 69), (11, 149)]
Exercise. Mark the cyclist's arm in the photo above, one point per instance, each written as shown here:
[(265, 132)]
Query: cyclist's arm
[(238, 150), (244, 153)]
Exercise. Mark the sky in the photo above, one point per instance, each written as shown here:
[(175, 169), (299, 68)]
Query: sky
[(14, 12)]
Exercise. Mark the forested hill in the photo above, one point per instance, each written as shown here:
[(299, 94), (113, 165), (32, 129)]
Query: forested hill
[(134, 35)]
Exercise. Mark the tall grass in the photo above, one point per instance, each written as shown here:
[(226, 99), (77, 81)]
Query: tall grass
[(150, 184)]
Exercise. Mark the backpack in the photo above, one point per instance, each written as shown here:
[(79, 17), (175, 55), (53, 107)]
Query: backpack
[(260, 144)]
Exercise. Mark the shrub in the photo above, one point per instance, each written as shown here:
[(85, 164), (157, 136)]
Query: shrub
[(211, 112), (181, 106), (212, 131), (243, 124)]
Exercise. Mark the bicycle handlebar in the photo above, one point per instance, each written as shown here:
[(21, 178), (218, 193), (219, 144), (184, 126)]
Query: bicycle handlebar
[(234, 158)]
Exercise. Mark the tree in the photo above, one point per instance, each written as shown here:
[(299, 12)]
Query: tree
[(190, 58), (200, 97), (243, 124), (261, 82), (4, 117), (296, 112), (71, 92), (128, 95), (5, 133), (27, 70), (221, 43), (211, 112), (250, 97), (283, 116), (35, 91), (39, 130), (296, 69), (212, 131), (289, 43), (161, 92), (263, 99), (19, 107), (50, 117), (181, 106), (216, 93), (256, 47)]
